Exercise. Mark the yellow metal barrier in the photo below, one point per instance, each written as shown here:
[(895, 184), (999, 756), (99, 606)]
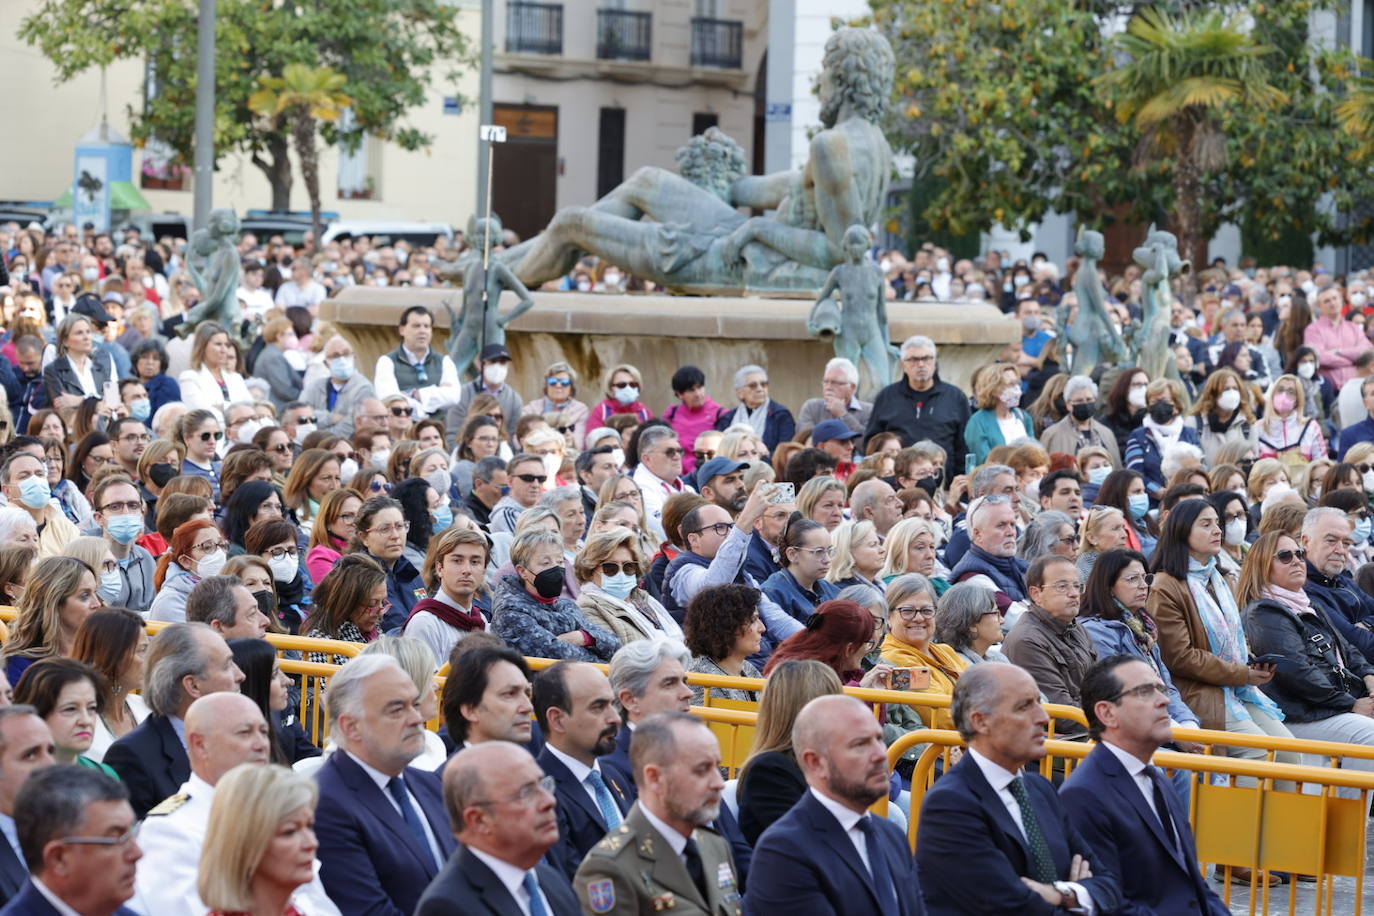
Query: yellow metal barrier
[(311, 711)]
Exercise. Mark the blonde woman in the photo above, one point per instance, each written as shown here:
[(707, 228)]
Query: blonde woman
[(911, 549), (49, 617), (258, 858), (822, 499), (859, 556), (742, 445), (1265, 474), (1286, 433), (1309, 479), (624, 385), (610, 569), (213, 381), (1103, 529), (999, 419), (560, 397)]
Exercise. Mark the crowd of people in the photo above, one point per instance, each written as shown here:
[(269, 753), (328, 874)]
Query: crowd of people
[(1159, 552)]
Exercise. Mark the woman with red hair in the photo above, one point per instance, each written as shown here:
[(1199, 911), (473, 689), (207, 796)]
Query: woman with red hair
[(839, 634), (198, 549)]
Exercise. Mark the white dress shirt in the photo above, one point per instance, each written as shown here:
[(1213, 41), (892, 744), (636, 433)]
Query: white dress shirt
[(1135, 768), (580, 771), (849, 823), (1000, 779), (512, 877), (57, 902), (444, 392), (382, 779)]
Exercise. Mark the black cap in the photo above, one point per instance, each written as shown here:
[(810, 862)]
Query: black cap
[(494, 351), (89, 304)]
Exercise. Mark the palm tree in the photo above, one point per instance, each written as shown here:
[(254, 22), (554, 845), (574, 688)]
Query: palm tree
[(300, 98), (1356, 112), (1177, 76)]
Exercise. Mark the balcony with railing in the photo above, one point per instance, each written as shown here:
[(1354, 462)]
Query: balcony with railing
[(623, 34), (534, 28), (717, 43)]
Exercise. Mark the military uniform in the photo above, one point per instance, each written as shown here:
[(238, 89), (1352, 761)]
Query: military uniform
[(634, 870)]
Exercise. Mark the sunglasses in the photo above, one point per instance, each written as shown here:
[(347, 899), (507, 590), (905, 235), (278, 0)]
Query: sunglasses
[(703, 456), (400, 411), (310, 421), (674, 453), (1288, 556), (378, 486), (621, 385), (532, 478), (559, 382), (282, 447), (564, 430), (614, 569), (207, 436)]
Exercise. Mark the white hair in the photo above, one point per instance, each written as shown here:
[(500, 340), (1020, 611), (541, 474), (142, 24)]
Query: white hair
[(1079, 383), (1278, 493), (919, 340), (344, 695), (851, 371), (14, 519), (545, 436), (744, 372), (166, 410), (1315, 517), (1175, 454)]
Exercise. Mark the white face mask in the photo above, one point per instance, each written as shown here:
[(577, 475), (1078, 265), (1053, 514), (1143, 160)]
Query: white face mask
[(249, 429), (1307, 369), (348, 469), (284, 568), (1011, 397), (1136, 398), (1235, 532), (552, 464), (618, 456), (302, 431), (1368, 479), (1358, 299), (495, 373), (380, 456), (211, 564), (1229, 400)]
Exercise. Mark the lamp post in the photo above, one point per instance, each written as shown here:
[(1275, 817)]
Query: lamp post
[(205, 115)]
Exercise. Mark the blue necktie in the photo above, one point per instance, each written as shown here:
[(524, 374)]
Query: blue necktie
[(536, 902), (877, 864), (609, 812), (397, 788)]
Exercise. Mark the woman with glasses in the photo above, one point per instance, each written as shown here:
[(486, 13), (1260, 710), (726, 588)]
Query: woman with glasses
[(560, 397), (1050, 532), (1201, 639), (610, 568), (486, 405), (315, 473), (92, 453), (910, 643), (63, 692), (212, 382), (532, 614), (380, 534), (251, 503), (623, 386), (968, 620), (276, 442), (349, 604), (70, 498), (201, 433), (49, 617), (1324, 685), (426, 512), (480, 438), (196, 550), (1113, 612), (804, 553), (722, 629), (622, 489), (277, 541), (333, 528)]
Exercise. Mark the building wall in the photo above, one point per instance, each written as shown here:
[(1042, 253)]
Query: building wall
[(43, 123)]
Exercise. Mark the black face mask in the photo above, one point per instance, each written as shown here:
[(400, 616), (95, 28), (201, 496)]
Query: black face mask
[(267, 603), (549, 583), (161, 474), (1161, 412), (1059, 406), (929, 484), (1082, 412)]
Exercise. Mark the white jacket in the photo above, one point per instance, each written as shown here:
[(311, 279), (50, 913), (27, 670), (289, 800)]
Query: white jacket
[(200, 391)]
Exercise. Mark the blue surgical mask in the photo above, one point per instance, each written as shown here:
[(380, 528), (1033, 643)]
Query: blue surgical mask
[(124, 528), (443, 518), (140, 408), (34, 491), (110, 585), (341, 367), (628, 395), (1140, 505), (619, 586), (1362, 531), (1099, 474)]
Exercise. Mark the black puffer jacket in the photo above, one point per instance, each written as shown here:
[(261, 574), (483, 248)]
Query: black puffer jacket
[(1326, 677)]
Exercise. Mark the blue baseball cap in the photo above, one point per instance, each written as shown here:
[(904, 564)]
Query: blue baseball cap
[(826, 430), (718, 466)]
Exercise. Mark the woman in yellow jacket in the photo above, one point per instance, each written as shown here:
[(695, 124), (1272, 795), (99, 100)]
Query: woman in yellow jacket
[(910, 642)]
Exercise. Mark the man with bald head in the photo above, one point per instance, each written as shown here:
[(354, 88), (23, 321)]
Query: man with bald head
[(223, 730), (876, 501), (994, 837), (337, 396), (502, 809), (829, 850)]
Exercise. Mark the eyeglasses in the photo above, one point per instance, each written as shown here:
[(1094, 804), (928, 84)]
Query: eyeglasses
[(208, 435), (128, 508), (614, 569), (400, 411), (1071, 540), (616, 385), (817, 552), (387, 531), (526, 792), (531, 478), (720, 528), (910, 612), (1143, 692), (918, 359), (559, 382), (121, 841), (674, 453), (1064, 588), (703, 456), (1147, 579), (101, 460), (383, 607), (756, 385), (377, 486), (210, 547), (347, 517), (131, 437), (1288, 556), (498, 417), (277, 553)]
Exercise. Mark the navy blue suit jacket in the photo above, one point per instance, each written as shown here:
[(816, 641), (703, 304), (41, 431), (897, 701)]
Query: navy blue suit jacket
[(466, 884), (971, 855), (150, 762), (580, 823), (805, 863), (1156, 877), (32, 903), (370, 862)]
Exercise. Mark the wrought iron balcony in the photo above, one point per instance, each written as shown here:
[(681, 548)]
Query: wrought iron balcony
[(534, 28), (623, 34), (717, 43)]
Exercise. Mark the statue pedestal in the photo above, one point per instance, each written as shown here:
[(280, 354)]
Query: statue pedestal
[(657, 333)]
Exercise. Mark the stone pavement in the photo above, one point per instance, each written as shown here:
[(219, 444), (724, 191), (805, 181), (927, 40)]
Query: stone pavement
[(1342, 901)]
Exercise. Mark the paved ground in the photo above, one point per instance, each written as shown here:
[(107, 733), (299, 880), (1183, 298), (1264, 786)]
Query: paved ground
[(1342, 899)]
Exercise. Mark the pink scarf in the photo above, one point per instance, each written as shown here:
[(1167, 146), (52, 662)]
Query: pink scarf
[(1297, 602)]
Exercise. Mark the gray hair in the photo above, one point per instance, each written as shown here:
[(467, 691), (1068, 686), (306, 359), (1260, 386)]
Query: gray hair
[(1079, 383), (535, 515), (982, 480), (52, 804), (851, 371), (919, 340), (1041, 534), (552, 498), (161, 414), (865, 595), (344, 695), (906, 585), (1315, 517), (414, 656), (977, 690), (213, 599), (486, 468), (524, 546), (929, 445), (545, 436), (652, 436), (959, 611), (237, 404), (742, 375), (12, 518), (1175, 453), (176, 653), (634, 663)]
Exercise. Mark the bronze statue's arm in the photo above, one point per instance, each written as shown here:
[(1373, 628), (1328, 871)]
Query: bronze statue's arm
[(762, 192), (225, 279), (504, 277), (831, 282)]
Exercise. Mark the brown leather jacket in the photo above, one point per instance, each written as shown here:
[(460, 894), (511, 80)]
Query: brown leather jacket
[(1198, 673)]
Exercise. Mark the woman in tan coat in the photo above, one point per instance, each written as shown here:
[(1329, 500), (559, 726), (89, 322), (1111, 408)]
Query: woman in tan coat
[(609, 569)]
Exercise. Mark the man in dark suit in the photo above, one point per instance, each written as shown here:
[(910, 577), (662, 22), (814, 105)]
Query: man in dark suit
[(502, 809), (25, 746), (1124, 806), (828, 854), (77, 832), (577, 714), (381, 826), (186, 661), (994, 839)]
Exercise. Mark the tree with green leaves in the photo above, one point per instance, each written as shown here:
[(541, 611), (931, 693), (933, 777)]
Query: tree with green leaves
[(299, 99), (390, 52)]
